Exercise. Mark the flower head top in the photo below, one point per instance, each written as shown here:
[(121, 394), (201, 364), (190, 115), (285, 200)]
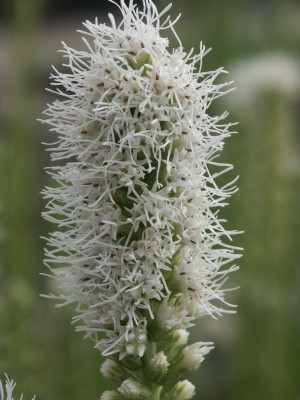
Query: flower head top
[(140, 244)]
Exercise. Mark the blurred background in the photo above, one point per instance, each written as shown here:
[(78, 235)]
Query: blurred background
[(257, 352)]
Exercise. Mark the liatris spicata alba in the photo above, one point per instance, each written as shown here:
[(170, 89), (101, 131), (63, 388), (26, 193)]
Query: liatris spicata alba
[(140, 248)]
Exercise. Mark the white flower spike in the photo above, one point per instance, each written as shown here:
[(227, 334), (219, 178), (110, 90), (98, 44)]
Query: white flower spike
[(140, 247)]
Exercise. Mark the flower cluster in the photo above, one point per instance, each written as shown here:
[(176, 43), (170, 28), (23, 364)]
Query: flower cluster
[(140, 246)]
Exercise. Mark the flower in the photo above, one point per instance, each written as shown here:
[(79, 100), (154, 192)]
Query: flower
[(136, 201), (6, 392), (193, 355)]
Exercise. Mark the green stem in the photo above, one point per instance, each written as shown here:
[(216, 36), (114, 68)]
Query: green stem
[(156, 391)]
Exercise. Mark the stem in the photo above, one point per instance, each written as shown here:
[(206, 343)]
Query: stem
[(156, 391)]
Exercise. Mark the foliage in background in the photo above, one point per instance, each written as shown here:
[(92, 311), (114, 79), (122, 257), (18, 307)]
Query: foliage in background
[(267, 346)]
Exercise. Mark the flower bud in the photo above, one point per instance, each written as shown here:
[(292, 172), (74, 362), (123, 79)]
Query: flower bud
[(110, 395), (174, 343), (159, 364), (186, 390), (112, 371), (133, 390), (193, 356), (183, 390), (180, 337)]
